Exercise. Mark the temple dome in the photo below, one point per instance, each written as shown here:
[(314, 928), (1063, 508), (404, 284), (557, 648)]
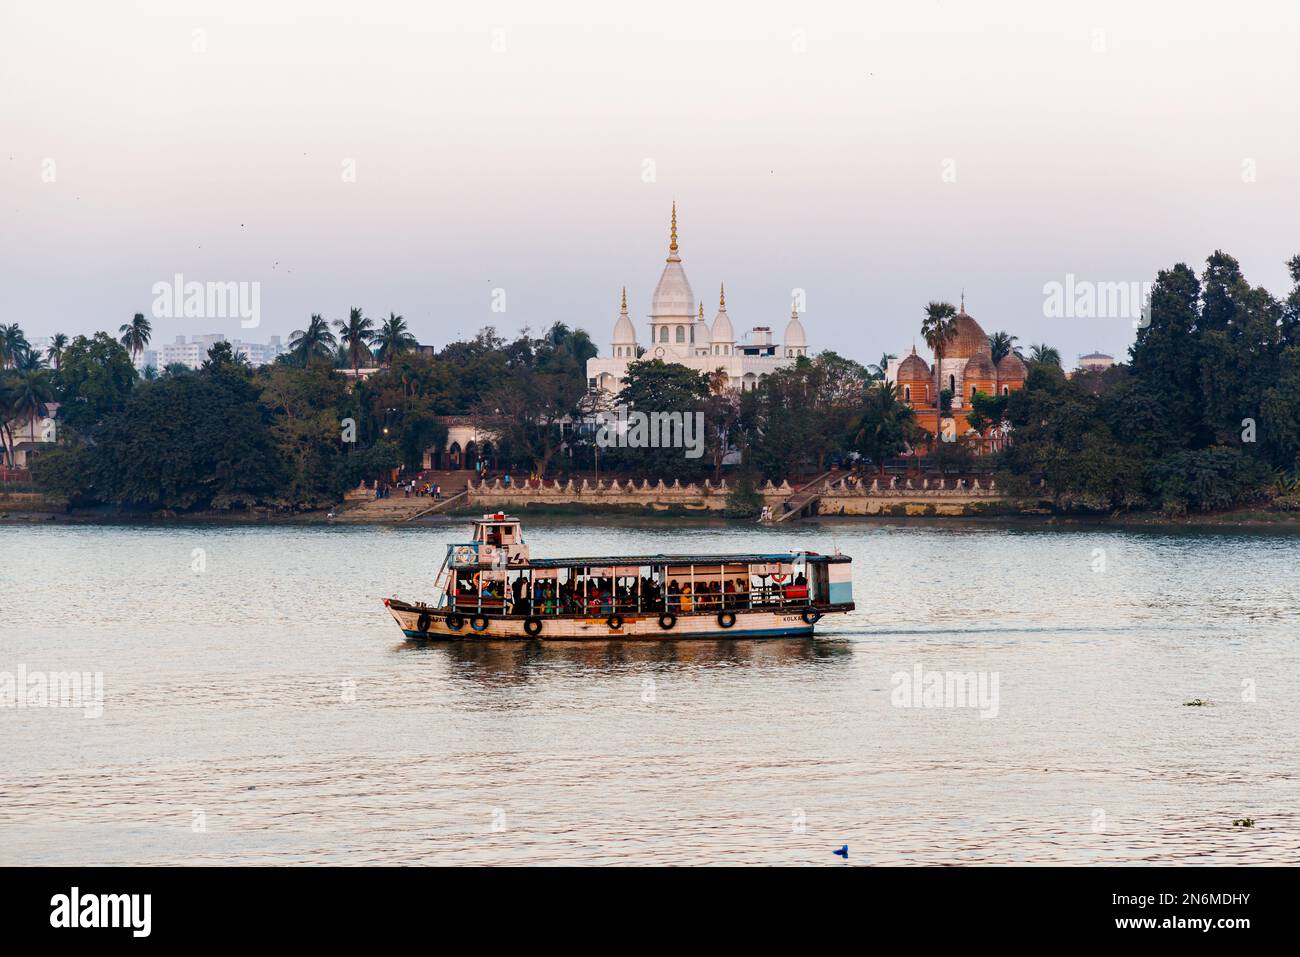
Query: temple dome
[(1012, 367), (624, 331), (722, 331), (968, 338), (673, 296), (703, 337), (979, 366), (795, 337), (913, 368)]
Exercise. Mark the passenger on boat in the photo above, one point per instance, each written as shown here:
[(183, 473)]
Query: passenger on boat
[(687, 599)]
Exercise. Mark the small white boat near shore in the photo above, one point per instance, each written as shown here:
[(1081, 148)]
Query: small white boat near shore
[(490, 588)]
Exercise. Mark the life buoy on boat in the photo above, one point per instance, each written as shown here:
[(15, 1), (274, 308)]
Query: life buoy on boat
[(475, 622), (726, 619), (422, 623), (667, 620), (533, 626), (779, 579), (811, 617), (455, 622), (614, 621)]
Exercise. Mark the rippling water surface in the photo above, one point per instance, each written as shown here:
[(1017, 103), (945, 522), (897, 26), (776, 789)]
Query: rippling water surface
[(265, 710)]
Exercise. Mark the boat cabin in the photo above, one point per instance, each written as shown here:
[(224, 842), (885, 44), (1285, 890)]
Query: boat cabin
[(588, 587)]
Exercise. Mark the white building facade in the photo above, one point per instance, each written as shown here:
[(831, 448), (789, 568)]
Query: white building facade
[(680, 334)]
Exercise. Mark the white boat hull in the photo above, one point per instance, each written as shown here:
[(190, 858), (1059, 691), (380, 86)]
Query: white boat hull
[(755, 623)]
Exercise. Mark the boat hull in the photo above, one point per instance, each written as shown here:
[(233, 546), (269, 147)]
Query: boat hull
[(749, 624)]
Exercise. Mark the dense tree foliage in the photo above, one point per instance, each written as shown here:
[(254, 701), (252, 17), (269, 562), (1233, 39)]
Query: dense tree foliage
[(1204, 416)]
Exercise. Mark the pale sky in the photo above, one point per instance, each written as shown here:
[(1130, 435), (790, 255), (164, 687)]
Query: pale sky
[(507, 146)]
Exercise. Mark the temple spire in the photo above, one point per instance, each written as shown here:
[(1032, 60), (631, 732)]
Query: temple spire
[(672, 246), (625, 300), (722, 296)]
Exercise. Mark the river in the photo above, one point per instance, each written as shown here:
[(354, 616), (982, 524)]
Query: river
[(259, 705)]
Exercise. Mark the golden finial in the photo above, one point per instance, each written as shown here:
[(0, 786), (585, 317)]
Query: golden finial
[(722, 296), (701, 312), (625, 298), (963, 300), (672, 246), (794, 310)]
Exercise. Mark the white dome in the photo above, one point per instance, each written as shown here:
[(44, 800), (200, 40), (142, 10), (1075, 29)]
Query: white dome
[(702, 335), (673, 297), (722, 331), (624, 331), (795, 337)]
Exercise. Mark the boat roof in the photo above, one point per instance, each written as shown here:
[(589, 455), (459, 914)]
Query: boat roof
[(623, 560)]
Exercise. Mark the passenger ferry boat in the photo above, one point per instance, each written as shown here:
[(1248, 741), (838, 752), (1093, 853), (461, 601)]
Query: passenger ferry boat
[(490, 588)]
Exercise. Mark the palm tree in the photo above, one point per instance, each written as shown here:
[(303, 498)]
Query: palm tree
[(1001, 344), (392, 338), (54, 353), (1042, 352), (24, 396), (938, 326), (314, 341), (886, 426), (878, 370), (136, 334), (355, 336), (29, 359), (12, 344)]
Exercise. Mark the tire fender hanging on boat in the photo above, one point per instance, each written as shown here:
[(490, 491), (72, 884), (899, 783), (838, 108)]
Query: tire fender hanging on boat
[(614, 621), (475, 623), (726, 619), (667, 620), (533, 626), (422, 623), (811, 617), (455, 622)]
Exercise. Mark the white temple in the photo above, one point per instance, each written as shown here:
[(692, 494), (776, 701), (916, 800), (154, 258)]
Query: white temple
[(680, 334)]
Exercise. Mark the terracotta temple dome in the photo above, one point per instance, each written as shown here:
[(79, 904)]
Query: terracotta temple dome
[(913, 368), (967, 340)]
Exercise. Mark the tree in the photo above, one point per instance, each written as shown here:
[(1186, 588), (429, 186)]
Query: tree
[(314, 342), (58, 342), (879, 369), (12, 344), (662, 387), (938, 326), (1044, 353), (392, 339), (354, 336), (93, 381), (1001, 345), (800, 416), (886, 427), (136, 334), (194, 442), (222, 357)]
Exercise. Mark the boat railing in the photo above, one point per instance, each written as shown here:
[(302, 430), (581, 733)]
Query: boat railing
[(757, 598)]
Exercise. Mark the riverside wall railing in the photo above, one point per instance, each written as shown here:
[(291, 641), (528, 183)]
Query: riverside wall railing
[(712, 496)]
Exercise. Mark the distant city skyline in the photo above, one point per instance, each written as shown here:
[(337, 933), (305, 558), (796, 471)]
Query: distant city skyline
[(517, 168)]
